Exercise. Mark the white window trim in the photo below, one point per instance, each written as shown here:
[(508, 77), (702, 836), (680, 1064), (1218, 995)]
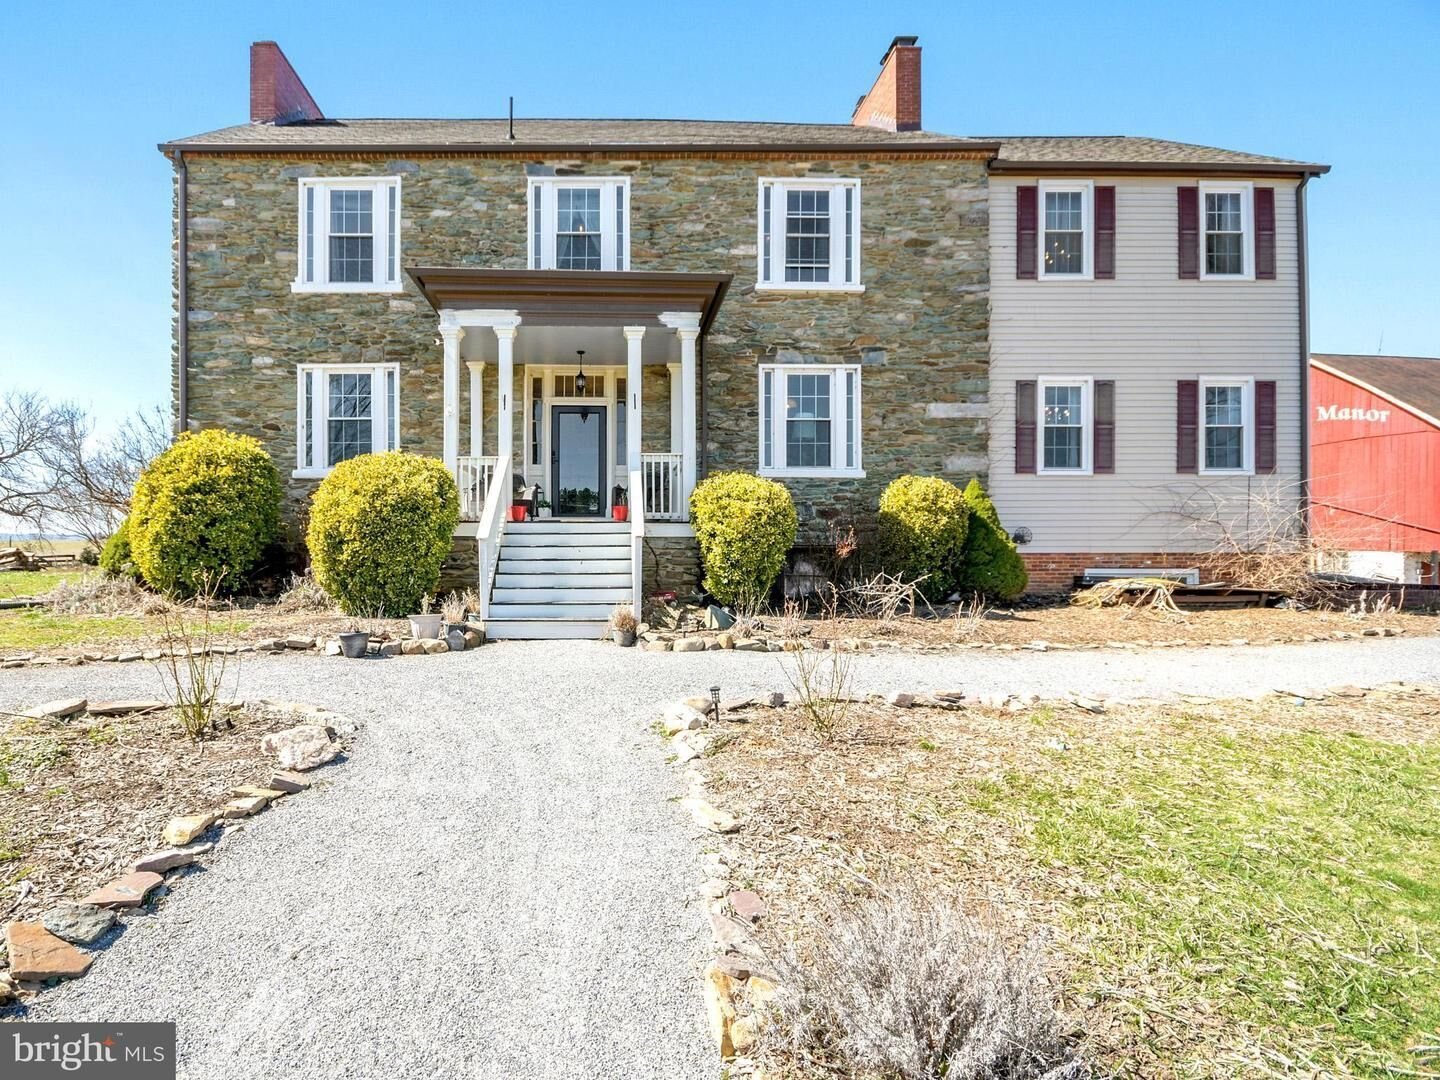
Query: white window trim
[(1087, 427), (778, 185), (1246, 190), (1087, 223), (379, 411), (380, 219), (840, 422), (611, 188), (1247, 385)]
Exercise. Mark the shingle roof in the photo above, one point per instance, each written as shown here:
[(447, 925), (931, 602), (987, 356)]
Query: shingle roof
[(1013, 152), (1410, 380)]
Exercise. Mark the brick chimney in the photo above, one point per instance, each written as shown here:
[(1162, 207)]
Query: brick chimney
[(277, 96), (893, 103)]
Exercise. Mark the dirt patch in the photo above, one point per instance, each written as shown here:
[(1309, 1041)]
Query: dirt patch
[(1225, 883), (81, 799)]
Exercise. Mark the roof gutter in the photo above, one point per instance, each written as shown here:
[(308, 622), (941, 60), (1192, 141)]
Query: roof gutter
[(182, 295), (1176, 168), (522, 149), (1302, 261)]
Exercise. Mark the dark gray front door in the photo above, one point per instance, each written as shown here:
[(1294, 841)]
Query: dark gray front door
[(577, 460)]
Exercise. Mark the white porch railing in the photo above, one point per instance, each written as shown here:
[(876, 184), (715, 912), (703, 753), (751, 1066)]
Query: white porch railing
[(662, 481), (487, 534), (473, 476), (637, 551)]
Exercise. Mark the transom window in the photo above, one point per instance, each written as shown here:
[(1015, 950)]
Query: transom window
[(809, 234), (579, 224), (810, 420), (349, 235), (1225, 223), (343, 412), (1065, 237), (1226, 426), (1065, 425)]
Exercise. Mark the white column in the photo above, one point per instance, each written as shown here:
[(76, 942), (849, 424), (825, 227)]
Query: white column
[(634, 336), (676, 434), (688, 446), (477, 406), (505, 415), (450, 334)]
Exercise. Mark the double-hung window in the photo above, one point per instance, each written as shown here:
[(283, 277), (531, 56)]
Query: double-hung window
[(1065, 425), (579, 223), (1065, 234), (1227, 425), (343, 411), (810, 420), (809, 235), (349, 235), (1226, 224)]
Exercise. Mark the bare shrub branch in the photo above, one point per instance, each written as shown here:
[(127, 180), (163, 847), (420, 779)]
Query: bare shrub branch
[(192, 667), (821, 681)]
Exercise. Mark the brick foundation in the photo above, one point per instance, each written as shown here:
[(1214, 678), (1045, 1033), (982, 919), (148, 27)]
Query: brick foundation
[(1056, 573)]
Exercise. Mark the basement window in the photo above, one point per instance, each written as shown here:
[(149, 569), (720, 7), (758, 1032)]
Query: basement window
[(579, 223), (343, 411), (349, 235), (809, 235)]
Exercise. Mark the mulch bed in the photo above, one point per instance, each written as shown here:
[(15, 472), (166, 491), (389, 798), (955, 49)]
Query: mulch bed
[(81, 800)]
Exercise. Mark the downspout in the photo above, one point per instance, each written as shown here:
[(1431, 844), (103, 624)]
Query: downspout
[(182, 298), (1301, 247)]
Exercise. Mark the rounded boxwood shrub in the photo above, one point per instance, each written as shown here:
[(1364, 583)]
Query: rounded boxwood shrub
[(380, 528), (989, 563), (745, 526), (203, 512), (922, 525), (115, 557)]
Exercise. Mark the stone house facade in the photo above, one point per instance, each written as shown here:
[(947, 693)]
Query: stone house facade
[(807, 301)]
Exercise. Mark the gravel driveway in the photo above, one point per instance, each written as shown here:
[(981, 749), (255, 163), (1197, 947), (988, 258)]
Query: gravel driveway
[(497, 883)]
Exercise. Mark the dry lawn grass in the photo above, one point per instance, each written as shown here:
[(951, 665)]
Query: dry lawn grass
[(1233, 889), (80, 800)]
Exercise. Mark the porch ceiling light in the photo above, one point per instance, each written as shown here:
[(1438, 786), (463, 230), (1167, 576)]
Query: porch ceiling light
[(580, 374)]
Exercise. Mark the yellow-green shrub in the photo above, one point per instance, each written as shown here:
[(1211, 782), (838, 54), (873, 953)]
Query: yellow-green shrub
[(922, 525), (989, 563), (115, 557), (745, 526), (380, 527), (204, 511)]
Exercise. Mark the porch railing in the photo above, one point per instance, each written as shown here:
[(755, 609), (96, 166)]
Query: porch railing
[(473, 476), (662, 480)]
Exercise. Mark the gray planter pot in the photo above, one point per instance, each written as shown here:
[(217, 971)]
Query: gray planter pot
[(425, 626), (624, 638), (355, 644)]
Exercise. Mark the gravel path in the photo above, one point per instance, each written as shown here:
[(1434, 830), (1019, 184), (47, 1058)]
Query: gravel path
[(497, 883)]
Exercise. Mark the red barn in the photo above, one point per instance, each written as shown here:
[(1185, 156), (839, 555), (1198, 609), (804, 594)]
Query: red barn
[(1375, 462)]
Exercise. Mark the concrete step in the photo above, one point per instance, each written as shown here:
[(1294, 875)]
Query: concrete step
[(551, 611), (555, 525), (498, 629), (564, 554), (575, 538), (580, 577), (528, 567), (609, 596)]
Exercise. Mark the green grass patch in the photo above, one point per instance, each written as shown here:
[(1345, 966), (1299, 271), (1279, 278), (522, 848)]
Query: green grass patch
[(36, 582), (1288, 884), (36, 628)]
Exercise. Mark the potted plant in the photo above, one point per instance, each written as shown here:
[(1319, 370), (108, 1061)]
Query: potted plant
[(453, 611), (623, 625), (427, 623), (354, 644), (620, 504)]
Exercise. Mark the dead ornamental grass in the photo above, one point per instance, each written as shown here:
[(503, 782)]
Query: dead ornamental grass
[(1235, 889)]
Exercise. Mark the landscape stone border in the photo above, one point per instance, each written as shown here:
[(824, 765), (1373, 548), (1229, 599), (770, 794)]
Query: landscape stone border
[(42, 953)]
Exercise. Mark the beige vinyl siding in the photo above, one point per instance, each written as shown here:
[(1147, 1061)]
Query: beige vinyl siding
[(1146, 329)]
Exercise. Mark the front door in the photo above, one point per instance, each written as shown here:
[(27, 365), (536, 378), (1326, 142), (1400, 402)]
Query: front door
[(577, 460)]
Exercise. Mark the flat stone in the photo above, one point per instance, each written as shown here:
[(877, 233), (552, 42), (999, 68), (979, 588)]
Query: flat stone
[(59, 709), (182, 830), (153, 654), (1089, 704), (732, 936), (900, 700), (37, 954), (657, 646), (684, 751), (689, 644), (435, 646), (708, 817), (124, 707), (332, 648), (79, 924), (720, 1009), (269, 645), (128, 657), (713, 889), (157, 862), (128, 891), (680, 716), (245, 807), (747, 905), (250, 791), (291, 783), (299, 643), (301, 748), (725, 640)]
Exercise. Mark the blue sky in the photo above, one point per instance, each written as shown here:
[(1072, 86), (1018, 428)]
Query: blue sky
[(89, 89)]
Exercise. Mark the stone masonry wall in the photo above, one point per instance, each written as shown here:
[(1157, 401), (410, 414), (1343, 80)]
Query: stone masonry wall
[(919, 331)]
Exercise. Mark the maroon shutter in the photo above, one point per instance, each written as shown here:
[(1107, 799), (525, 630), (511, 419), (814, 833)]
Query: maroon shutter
[(1265, 427), (1104, 233), (1104, 456), (1027, 200), (1025, 426), (1187, 205), (1187, 431), (1265, 233)]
